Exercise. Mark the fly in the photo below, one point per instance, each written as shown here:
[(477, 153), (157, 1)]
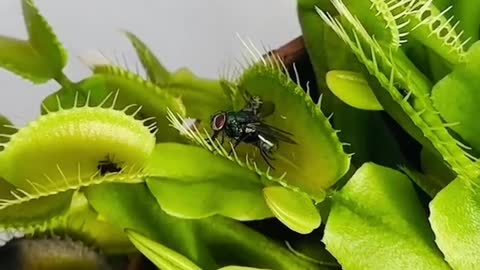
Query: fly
[(107, 166), (247, 126)]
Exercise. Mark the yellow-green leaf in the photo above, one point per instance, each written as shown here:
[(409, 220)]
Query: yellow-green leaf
[(353, 89), (455, 219), (42, 37), (190, 182), (156, 72), (377, 222), (163, 257), (295, 210), (20, 58)]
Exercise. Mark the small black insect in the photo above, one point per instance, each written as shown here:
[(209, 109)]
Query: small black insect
[(248, 126), (107, 166)]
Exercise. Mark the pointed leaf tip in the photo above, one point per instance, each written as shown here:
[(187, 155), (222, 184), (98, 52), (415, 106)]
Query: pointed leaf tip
[(162, 256), (156, 72), (42, 37)]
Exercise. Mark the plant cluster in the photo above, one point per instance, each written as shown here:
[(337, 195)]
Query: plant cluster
[(383, 174)]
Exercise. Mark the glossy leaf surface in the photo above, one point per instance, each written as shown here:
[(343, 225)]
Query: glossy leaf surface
[(295, 211), (161, 256), (455, 219), (191, 182), (375, 215)]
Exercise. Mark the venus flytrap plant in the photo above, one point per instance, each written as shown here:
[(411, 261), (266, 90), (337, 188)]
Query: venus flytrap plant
[(266, 78), (44, 195), (128, 178), (455, 227), (318, 145), (208, 243), (394, 21), (364, 130), (262, 178), (52, 172), (451, 239), (432, 28), (392, 69), (381, 204)]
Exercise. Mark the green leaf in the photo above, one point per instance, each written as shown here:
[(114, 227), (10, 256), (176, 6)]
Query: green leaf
[(190, 182), (295, 210), (19, 57), (377, 222), (38, 59), (131, 206), (156, 72), (454, 215), (43, 39), (163, 257), (461, 86), (353, 89)]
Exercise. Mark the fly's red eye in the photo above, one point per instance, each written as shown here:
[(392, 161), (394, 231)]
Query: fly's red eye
[(219, 121)]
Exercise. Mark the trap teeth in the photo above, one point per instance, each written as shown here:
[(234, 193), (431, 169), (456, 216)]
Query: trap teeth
[(189, 124)]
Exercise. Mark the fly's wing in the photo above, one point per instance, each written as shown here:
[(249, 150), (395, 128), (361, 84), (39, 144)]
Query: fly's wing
[(273, 132)]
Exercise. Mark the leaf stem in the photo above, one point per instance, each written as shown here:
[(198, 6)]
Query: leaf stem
[(65, 82)]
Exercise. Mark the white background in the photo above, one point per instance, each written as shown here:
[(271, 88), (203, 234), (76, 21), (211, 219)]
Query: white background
[(198, 34)]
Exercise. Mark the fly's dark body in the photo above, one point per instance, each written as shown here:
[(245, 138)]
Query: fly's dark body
[(108, 166), (247, 126), (235, 126)]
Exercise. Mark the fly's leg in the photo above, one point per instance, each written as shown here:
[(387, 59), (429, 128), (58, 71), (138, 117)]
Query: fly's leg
[(267, 153), (237, 142), (212, 139), (266, 157)]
